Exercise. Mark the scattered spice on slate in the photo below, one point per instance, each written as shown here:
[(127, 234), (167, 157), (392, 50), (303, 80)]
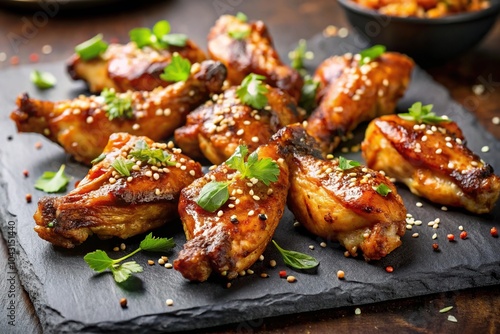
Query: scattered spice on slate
[(463, 235), (26, 173), (28, 198), (34, 57), (123, 302), (389, 269), (38, 145), (151, 262), (435, 247), (450, 237), (272, 263), (494, 232), (283, 273), (340, 274), (264, 275), (291, 279)]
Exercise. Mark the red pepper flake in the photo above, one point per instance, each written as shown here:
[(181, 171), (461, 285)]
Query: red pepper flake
[(435, 247), (34, 57), (14, 60), (123, 302), (463, 235), (28, 198), (38, 145), (450, 237), (282, 273), (26, 173), (494, 232), (389, 269)]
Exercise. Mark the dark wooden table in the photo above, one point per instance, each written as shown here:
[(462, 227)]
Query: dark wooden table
[(25, 33)]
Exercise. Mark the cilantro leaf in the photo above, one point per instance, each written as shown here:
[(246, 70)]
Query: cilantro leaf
[(122, 166), (298, 55), (308, 96), (143, 152), (242, 17), (370, 54), (159, 37), (213, 195), (265, 170), (178, 69), (347, 164), (237, 160), (239, 34), (161, 28), (297, 260), (53, 182), (91, 48), (98, 260), (43, 80), (155, 244), (422, 114), (141, 36), (252, 91), (121, 272), (117, 106), (175, 39), (383, 189)]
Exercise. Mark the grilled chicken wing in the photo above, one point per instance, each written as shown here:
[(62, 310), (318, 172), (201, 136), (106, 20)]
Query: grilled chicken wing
[(433, 161), (127, 67), (340, 204), (251, 52), (218, 127), (350, 93), (82, 126), (108, 204), (231, 239)]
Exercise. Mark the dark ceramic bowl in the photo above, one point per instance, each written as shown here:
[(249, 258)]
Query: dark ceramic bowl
[(428, 41)]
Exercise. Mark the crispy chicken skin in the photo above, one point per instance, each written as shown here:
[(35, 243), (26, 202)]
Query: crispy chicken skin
[(350, 94), (108, 204), (433, 161), (230, 243), (82, 127), (215, 129), (341, 205), (127, 67), (254, 53)]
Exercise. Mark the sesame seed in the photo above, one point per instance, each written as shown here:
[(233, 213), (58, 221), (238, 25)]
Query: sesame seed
[(495, 120), (151, 262), (419, 204), (135, 126), (167, 112), (168, 265), (461, 228), (340, 274), (291, 279), (161, 262), (255, 139), (255, 197), (444, 208), (192, 173), (414, 235), (272, 263), (116, 249), (220, 213), (264, 275), (240, 132), (356, 97), (148, 173), (485, 149), (434, 236), (90, 119), (169, 302), (311, 247), (112, 180), (357, 311), (424, 138), (157, 192), (123, 302), (409, 227), (439, 151), (156, 176), (251, 213)]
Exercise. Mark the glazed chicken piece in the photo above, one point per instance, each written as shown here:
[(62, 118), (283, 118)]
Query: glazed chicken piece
[(251, 52), (82, 126), (433, 161), (109, 204), (215, 129), (350, 93), (232, 238), (341, 205), (127, 67)]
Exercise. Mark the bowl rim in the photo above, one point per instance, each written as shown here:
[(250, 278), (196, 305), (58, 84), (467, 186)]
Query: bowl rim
[(493, 9)]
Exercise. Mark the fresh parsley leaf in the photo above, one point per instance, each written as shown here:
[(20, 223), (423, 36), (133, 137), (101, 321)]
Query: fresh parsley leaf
[(370, 54), (100, 158), (121, 272), (175, 39), (155, 244), (213, 195), (117, 106), (98, 260), (53, 182), (298, 55), (422, 114), (347, 164), (265, 170), (383, 189), (122, 166), (159, 37), (178, 69), (239, 34), (308, 96), (141, 36), (152, 156), (242, 17), (252, 91), (297, 260), (91, 48), (161, 28), (43, 80)]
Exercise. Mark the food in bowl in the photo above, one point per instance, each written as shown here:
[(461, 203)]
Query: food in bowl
[(424, 8)]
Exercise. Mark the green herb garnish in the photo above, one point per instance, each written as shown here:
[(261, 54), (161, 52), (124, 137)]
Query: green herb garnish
[(239, 34), (308, 96), (43, 80), (117, 106), (91, 48), (214, 194), (347, 164), (242, 17), (297, 260), (53, 182), (100, 158), (159, 37), (122, 166), (152, 156), (298, 55), (178, 69), (100, 261), (252, 91), (446, 309), (422, 114), (383, 189), (370, 54)]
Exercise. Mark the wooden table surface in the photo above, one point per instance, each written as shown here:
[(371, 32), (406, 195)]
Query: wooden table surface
[(24, 33)]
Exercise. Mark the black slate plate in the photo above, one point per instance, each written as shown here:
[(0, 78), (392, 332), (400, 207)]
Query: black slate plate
[(69, 297)]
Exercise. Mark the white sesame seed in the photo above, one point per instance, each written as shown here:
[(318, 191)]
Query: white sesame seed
[(168, 265), (255, 197), (220, 213), (112, 180), (409, 227), (135, 126), (356, 97), (461, 228), (251, 213), (424, 138), (485, 149), (449, 145), (156, 176), (439, 151), (169, 302), (148, 173), (495, 120), (311, 247), (414, 235), (90, 119), (240, 132), (167, 112), (323, 244), (434, 236), (419, 204), (192, 173), (46, 49), (444, 208), (255, 139)]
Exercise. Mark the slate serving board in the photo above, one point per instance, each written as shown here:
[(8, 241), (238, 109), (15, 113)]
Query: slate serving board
[(69, 297)]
